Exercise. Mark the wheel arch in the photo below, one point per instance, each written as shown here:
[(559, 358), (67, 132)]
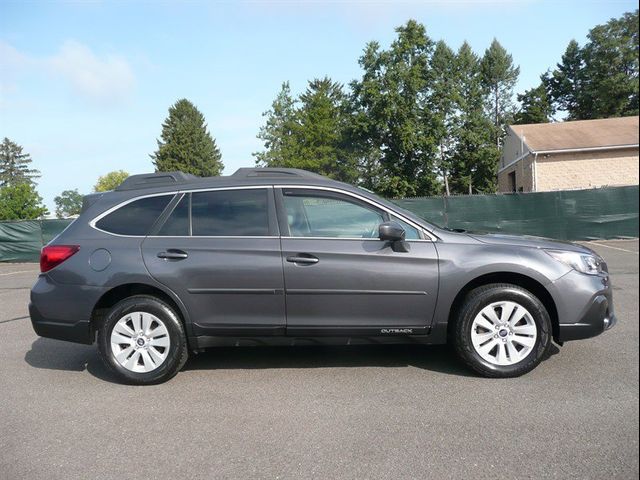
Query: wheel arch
[(125, 290), (528, 283)]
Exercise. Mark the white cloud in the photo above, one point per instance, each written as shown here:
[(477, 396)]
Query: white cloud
[(106, 78), (99, 78)]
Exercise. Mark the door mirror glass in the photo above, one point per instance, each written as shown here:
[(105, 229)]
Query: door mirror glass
[(391, 232)]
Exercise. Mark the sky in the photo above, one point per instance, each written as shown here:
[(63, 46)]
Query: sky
[(86, 85)]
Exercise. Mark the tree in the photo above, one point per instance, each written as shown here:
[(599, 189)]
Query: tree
[(278, 132), (536, 106), (611, 67), (443, 103), (68, 203), (310, 132), (20, 201), (599, 80), (14, 165), (110, 180), (499, 77), (322, 120), (392, 118), (186, 143), (474, 161)]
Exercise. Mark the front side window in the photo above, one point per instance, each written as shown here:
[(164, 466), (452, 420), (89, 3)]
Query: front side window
[(318, 215), (232, 213), (411, 233), (134, 218)]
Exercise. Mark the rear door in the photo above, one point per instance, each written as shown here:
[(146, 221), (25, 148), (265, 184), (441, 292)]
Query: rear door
[(219, 251), (341, 279)]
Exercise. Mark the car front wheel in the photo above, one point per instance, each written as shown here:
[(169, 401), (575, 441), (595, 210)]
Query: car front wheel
[(142, 341), (502, 330)]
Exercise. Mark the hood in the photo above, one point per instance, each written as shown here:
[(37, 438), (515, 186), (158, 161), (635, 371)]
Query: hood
[(528, 241)]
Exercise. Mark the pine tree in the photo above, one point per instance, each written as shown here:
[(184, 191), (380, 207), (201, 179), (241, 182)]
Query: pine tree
[(14, 165), (444, 99), (277, 133), (535, 106), (186, 143), (393, 116), (499, 77), (566, 84), (474, 161)]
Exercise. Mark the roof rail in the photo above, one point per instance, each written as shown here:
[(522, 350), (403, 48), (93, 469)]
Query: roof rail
[(159, 179), (274, 173)]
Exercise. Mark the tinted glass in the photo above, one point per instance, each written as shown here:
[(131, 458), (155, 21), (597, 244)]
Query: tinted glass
[(177, 225), (135, 218), (230, 213), (411, 233), (318, 216)]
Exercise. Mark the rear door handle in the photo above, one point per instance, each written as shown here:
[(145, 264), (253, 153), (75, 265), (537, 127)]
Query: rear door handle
[(303, 259), (173, 254)]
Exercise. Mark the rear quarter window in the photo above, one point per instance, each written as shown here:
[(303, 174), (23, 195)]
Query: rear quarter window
[(134, 218)]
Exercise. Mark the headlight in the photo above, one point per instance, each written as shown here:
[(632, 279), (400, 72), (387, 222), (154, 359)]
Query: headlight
[(582, 262)]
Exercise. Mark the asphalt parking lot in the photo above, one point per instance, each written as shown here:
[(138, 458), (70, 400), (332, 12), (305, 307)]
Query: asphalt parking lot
[(359, 412)]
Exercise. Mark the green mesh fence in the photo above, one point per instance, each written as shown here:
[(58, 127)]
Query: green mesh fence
[(567, 215)]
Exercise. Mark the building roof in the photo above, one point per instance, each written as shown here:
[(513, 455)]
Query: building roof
[(607, 132)]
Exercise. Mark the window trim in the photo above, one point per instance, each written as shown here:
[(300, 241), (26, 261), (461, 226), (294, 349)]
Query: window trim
[(118, 206), (277, 197), (428, 236)]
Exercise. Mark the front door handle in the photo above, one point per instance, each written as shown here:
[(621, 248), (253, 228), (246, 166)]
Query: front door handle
[(304, 259), (173, 254)]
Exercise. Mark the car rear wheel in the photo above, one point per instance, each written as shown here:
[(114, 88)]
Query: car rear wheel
[(502, 330), (142, 341)]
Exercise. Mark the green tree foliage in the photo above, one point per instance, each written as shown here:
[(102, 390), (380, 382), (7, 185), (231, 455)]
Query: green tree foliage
[(499, 77), (414, 122), (186, 144), (535, 106), (309, 132), (611, 67), (278, 132), (475, 158), (14, 165), (566, 84), (393, 117), (20, 201), (444, 102), (68, 203), (599, 80), (110, 180)]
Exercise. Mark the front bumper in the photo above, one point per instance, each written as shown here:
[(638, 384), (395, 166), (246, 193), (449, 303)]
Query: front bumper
[(585, 306)]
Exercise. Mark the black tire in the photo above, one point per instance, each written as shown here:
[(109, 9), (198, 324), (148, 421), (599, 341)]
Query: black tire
[(178, 350), (479, 298)]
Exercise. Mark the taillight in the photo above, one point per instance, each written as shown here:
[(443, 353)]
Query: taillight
[(53, 255)]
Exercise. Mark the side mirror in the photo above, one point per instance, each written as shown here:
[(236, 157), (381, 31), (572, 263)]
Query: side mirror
[(394, 233), (391, 232)]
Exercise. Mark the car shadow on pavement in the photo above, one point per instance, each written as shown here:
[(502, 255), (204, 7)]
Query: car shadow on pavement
[(57, 355), (51, 354)]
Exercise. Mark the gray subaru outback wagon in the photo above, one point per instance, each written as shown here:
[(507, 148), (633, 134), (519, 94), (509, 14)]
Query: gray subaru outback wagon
[(168, 264)]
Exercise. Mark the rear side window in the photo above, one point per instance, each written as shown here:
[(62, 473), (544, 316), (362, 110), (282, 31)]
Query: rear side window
[(230, 213), (177, 225), (134, 218)]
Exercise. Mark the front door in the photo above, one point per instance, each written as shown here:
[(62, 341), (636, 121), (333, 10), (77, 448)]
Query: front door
[(341, 279), (219, 251)]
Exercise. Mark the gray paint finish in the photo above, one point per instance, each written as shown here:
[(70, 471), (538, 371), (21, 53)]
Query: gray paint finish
[(251, 286)]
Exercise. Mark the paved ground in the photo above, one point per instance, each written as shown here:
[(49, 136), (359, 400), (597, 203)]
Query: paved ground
[(375, 412)]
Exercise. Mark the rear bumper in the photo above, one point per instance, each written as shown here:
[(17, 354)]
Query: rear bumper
[(63, 311), (79, 332)]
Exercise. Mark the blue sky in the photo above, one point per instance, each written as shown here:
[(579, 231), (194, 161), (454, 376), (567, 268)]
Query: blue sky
[(85, 86)]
